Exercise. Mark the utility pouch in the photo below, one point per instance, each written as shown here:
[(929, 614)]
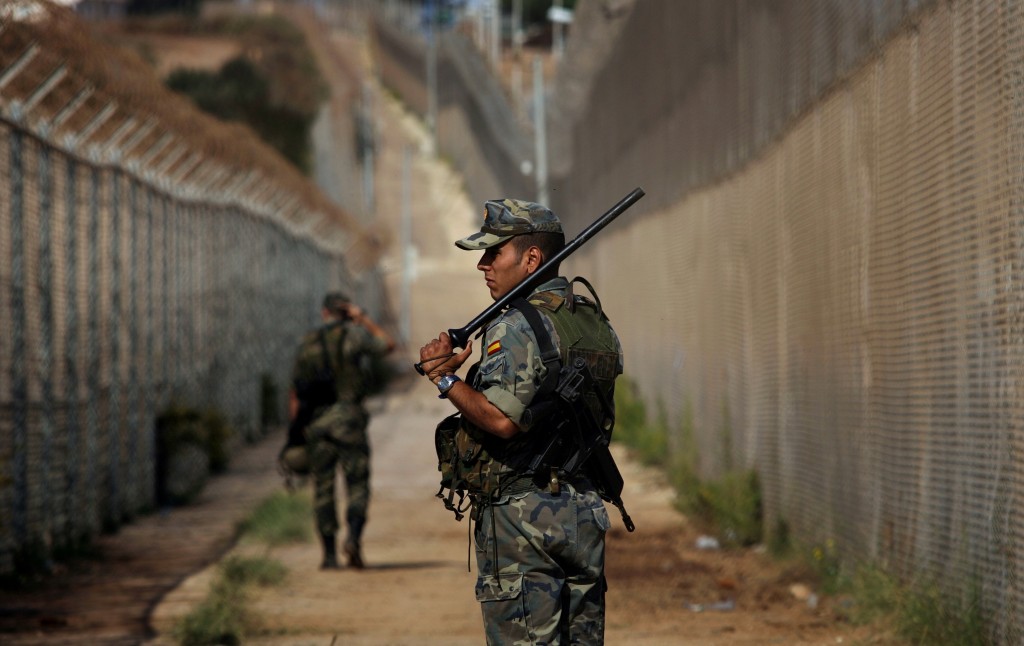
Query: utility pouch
[(448, 463)]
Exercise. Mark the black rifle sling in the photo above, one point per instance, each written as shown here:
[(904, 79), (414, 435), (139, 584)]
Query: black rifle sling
[(548, 353), (327, 356), (323, 348)]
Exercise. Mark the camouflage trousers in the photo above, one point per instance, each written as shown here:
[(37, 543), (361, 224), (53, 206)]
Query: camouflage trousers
[(338, 438), (540, 559)]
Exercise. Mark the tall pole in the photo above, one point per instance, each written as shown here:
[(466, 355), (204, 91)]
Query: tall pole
[(405, 322), (517, 58), (517, 26), (432, 74), (495, 34), (559, 35), (540, 130)]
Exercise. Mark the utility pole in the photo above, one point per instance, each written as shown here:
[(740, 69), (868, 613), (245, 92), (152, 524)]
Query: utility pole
[(405, 242), (540, 130), (517, 56), (495, 49), (432, 74), (559, 34)]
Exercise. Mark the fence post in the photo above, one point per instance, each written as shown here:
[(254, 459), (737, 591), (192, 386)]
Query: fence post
[(44, 294), (114, 449), (19, 378), (93, 352), (72, 499)]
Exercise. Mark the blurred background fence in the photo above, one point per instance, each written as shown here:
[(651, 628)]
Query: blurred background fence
[(140, 272), (824, 283)]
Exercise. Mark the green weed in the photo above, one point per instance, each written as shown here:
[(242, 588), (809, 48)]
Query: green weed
[(730, 504), (243, 570), (922, 612), (281, 518), (223, 617), (829, 567), (649, 441)]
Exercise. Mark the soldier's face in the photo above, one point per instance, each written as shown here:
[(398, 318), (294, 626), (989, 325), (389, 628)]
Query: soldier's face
[(503, 268)]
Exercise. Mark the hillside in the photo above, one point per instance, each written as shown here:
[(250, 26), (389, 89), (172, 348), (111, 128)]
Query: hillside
[(121, 77)]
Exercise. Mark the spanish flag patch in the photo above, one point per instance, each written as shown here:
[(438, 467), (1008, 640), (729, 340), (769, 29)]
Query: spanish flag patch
[(494, 347)]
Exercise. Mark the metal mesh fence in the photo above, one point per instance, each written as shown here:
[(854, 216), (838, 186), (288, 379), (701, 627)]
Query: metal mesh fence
[(135, 275), (824, 282)]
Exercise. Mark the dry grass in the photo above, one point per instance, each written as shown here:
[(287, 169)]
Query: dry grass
[(121, 77)]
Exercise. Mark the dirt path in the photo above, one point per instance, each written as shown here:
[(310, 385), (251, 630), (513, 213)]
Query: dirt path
[(417, 591)]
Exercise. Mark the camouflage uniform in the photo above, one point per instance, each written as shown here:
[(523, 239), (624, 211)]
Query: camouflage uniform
[(337, 435), (540, 555)]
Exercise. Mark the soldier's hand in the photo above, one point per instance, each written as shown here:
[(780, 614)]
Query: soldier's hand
[(353, 311), (438, 359)]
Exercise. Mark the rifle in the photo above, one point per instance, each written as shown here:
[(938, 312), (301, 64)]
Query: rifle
[(584, 444), (460, 336)]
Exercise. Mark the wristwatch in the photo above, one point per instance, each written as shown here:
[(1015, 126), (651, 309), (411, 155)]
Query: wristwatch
[(445, 384)]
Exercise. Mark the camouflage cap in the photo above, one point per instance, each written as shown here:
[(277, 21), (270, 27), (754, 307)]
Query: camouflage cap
[(506, 218), (333, 301)]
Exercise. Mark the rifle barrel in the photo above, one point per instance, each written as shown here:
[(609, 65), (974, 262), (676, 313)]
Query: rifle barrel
[(460, 336)]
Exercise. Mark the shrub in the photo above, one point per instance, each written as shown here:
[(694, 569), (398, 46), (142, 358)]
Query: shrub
[(632, 428), (218, 439), (277, 91), (270, 414)]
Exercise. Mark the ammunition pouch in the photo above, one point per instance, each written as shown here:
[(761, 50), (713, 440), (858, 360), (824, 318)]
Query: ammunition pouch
[(448, 463)]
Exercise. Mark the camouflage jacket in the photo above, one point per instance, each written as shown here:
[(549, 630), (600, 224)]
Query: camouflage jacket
[(509, 375)]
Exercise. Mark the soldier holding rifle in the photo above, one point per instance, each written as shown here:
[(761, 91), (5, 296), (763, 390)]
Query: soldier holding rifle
[(539, 527)]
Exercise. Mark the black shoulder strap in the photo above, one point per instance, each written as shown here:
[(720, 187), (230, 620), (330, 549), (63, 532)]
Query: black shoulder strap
[(548, 352), (323, 348)]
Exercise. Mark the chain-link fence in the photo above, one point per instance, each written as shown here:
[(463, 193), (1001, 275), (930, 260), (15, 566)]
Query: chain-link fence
[(824, 281), (139, 271)]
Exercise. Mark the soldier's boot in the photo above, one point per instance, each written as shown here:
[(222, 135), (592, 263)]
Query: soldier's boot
[(330, 561), (352, 547)]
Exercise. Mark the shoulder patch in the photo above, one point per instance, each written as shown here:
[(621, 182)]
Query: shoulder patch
[(547, 300), (494, 348)]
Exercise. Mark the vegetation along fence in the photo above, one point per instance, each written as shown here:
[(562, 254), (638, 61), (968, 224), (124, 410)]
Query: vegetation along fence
[(149, 258), (824, 281)]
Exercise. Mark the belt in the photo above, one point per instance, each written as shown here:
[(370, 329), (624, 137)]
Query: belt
[(539, 482)]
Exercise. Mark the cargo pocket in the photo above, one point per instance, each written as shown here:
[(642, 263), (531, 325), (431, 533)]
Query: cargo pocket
[(503, 605), (504, 587)]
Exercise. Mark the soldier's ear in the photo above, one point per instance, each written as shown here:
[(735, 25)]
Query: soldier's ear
[(534, 259)]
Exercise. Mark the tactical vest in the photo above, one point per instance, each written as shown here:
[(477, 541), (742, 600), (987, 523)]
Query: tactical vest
[(478, 463)]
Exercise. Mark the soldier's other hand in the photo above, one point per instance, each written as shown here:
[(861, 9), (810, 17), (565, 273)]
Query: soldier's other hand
[(353, 311), (437, 357)]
